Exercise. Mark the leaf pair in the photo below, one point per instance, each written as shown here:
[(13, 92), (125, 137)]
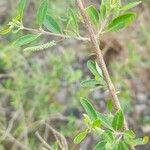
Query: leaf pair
[(96, 71)]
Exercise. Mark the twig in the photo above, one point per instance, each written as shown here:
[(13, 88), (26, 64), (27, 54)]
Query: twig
[(59, 137), (100, 60), (10, 126), (54, 34), (43, 141)]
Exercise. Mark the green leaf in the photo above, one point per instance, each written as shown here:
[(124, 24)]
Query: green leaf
[(93, 15), (96, 123), (94, 68), (124, 146), (105, 2), (5, 31), (110, 105), (120, 22), (21, 7), (118, 120), (141, 141), (130, 141), (25, 39), (121, 146), (51, 24), (108, 136), (130, 6), (87, 120), (129, 134), (103, 12), (91, 83), (80, 137), (89, 109), (72, 21), (100, 146), (106, 120), (42, 11)]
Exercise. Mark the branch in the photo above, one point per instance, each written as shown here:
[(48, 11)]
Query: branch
[(100, 60), (43, 141), (55, 34)]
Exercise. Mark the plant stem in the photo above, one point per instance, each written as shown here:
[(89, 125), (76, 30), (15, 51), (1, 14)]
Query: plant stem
[(54, 34), (100, 60)]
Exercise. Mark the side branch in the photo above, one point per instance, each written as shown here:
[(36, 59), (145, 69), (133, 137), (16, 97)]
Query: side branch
[(43, 32)]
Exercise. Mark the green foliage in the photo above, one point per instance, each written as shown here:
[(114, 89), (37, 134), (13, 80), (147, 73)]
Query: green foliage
[(21, 7), (118, 120), (80, 137), (42, 11), (91, 83), (5, 30), (120, 22), (110, 105), (108, 127), (72, 23), (89, 109), (111, 17), (93, 15), (100, 145), (130, 6), (51, 24), (25, 39), (95, 70)]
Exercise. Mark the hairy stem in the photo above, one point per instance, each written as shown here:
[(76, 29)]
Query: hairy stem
[(100, 60), (54, 34)]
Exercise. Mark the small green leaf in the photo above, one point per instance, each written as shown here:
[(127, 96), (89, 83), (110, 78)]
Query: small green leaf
[(110, 105), (120, 22), (105, 2), (94, 68), (130, 141), (99, 70), (93, 15), (80, 137), (129, 134), (89, 109), (91, 83), (72, 21), (106, 120), (5, 31), (96, 123), (124, 146), (51, 24), (139, 141), (103, 12), (42, 11), (100, 146), (25, 39), (118, 120), (21, 7), (130, 6), (108, 136), (87, 120), (121, 146)]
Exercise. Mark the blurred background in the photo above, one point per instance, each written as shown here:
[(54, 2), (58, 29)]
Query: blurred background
[(45, 86)]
